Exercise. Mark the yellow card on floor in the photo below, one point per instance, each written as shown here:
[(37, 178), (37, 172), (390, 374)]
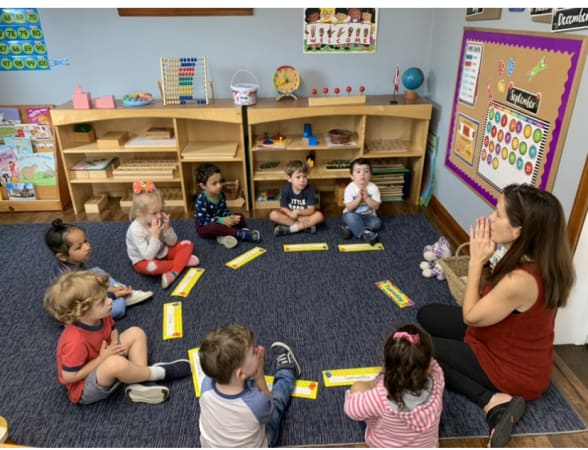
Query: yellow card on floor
[(310, 247), (346, 377), (197, 372), (172, 321), (246, 257), (392, 291), (188, 282), (302, 389), (363, 247)]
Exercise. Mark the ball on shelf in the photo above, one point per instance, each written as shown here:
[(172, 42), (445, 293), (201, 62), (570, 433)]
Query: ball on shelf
[(412, 78)]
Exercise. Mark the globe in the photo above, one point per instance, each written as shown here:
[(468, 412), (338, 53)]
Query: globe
[(412, 78)]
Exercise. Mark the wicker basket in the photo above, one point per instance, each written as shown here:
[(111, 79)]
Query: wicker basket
[(455, 269)]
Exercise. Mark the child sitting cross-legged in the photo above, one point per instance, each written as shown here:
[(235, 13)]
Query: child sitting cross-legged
[(152, 243), (236, 407), (298, 210), (93, 358), (72, 251), (402, 407), (212, 217)]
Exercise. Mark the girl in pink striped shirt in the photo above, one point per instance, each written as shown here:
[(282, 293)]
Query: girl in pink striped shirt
[(401, 407)]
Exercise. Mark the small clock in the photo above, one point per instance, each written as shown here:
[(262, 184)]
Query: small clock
[(286, 80)]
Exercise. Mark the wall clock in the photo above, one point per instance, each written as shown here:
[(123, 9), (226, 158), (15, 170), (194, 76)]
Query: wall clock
[(286, 80)]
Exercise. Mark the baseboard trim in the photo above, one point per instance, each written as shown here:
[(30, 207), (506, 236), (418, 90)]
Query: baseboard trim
[(445, 224)]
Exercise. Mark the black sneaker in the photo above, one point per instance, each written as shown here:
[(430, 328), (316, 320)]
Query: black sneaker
[(285, 358), (370, 237), (346, 232), (174, 370), (281, 230), (147, 392), (245, 234)]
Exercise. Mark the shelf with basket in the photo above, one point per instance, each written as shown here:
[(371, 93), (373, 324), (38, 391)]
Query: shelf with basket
[(161, 143), (390, 134)]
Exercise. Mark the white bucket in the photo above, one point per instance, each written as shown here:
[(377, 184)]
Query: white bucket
[(244, 93)]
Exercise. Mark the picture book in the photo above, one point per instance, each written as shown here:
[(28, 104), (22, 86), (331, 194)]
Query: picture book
[(37, 114), (20, 191), (22, 145), (8, 164), (37, 168), (11, 115)]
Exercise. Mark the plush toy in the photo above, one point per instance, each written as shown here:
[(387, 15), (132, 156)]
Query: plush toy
[(432, 253)]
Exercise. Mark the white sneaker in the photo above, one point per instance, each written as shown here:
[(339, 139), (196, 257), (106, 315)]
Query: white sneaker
[(148, 392), (138, 297), (227, 241)]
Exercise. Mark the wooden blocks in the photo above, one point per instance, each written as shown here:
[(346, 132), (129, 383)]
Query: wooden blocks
[(113, 139), (80, 99), (105, 102), (96, 204), (84, 137)]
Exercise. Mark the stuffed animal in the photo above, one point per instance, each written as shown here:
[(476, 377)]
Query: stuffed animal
[(432, 253)]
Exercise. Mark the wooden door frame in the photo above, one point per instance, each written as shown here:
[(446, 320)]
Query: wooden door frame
[(579, 209)]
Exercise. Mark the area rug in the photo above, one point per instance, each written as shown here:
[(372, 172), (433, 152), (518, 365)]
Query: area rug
[(325, 304)]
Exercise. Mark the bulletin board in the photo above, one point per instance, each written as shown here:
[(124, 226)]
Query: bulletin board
[(513, 101)]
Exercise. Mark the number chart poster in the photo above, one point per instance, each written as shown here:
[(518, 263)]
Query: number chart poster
[(339, 30), (22, 43), (513, 100)]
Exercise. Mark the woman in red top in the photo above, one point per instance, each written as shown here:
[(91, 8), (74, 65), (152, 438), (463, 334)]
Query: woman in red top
[(497, 349)]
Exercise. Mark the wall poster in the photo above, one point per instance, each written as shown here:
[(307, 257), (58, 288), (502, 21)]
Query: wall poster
[(339, 30), (22, 42), (513, 99)]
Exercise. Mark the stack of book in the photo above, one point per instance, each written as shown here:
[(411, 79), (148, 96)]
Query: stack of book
[(393, 180)]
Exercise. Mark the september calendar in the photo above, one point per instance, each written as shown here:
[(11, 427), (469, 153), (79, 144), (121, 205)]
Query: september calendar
[(514, 96)]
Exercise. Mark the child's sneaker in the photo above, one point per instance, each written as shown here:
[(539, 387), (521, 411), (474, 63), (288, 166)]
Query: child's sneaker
[(147, 392), (174, 370), (193, 261), (285, 358), (281, 230), (227, 241), (137, 296), (245, 234), (311, 229), (167, 279), (346, 232), (370, 237)]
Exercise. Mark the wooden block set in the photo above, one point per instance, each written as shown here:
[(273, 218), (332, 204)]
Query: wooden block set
[(159, 169), (171, 197)]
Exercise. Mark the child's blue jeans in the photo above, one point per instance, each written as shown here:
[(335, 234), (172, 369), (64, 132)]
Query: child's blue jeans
[(119, 305), (282, 389), (358, 223)]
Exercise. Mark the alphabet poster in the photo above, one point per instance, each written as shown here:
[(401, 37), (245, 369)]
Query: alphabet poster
[(513, 99)]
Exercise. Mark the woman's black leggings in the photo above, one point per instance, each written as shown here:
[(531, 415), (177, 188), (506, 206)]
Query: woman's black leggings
[(462, 370)]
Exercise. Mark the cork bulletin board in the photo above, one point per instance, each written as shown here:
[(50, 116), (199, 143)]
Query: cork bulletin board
[(513, 100)]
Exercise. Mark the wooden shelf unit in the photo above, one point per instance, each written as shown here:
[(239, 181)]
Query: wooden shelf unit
[(203, 133), (396, 132), (48, 198)]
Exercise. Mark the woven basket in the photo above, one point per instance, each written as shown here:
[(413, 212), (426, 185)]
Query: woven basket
[(455, 269)]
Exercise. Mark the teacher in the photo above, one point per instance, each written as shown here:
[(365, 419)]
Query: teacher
[(497, 349)]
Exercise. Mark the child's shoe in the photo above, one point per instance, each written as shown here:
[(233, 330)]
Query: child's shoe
[(281, 230), (227, 241), (245, 234), (175, 370), (193, 261), (137, 296), (167, 279), (285, 358), (346, 232), (147, 392), (370, 237)]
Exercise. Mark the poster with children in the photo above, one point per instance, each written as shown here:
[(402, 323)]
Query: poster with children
[(339, 30)]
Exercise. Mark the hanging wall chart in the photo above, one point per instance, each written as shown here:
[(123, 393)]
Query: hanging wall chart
[(513, 100)]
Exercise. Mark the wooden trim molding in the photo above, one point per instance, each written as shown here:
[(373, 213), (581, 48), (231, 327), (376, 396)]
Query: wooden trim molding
[(177, 12), (579, 210)]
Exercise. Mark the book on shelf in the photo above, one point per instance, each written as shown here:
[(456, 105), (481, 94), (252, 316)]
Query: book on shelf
[(20, 191), (93, 164)]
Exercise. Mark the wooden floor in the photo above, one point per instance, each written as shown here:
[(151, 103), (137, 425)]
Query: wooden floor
[(570, 372)]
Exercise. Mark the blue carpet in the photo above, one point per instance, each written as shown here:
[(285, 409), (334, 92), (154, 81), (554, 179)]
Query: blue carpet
[(325, 304)]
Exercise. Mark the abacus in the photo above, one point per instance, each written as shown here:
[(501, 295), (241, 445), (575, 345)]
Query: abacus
[(184, 81)]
